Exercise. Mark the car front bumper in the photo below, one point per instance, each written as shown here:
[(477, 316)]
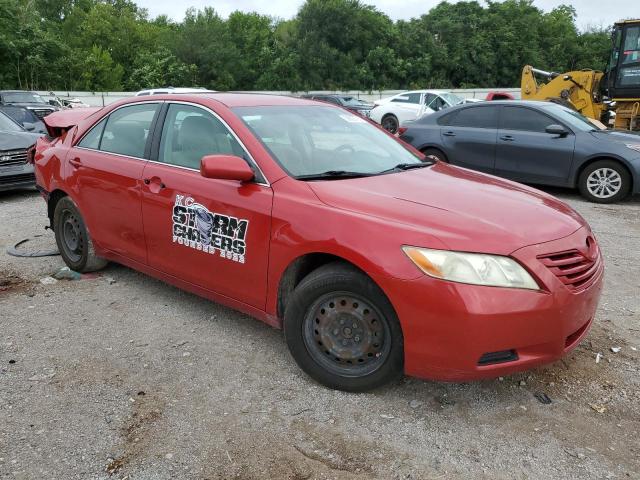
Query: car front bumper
[(459, 332), (19, 176)]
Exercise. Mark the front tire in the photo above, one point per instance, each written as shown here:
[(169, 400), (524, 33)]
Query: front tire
[(342, 330), (74, 243), (434, 152), (390, 123), (605, 181)]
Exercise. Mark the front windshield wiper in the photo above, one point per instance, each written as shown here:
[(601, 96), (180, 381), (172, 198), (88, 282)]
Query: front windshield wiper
[(408, 166), (333, 175)]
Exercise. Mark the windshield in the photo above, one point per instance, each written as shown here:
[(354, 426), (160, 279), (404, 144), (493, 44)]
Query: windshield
[(22, 97), (352, 102), (19, 114), (452, 98), (311, 140), (572, 118), (8, 125)]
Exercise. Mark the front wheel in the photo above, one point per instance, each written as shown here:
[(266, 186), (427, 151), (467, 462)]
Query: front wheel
[(604, 181), (74, 243), (342, 330), (390, 123)]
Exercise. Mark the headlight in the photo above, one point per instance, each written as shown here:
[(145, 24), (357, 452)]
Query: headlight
[(473, 268), (633, 146)]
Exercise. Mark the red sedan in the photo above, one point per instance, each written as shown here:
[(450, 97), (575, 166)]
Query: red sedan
[(374, 260)]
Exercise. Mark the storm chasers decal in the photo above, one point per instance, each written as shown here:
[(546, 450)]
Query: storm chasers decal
[(196, 227)]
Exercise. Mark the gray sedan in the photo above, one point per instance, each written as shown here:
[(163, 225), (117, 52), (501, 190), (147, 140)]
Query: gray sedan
[(533, 142)]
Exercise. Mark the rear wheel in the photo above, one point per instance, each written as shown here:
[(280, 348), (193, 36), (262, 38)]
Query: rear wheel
[(342, 330), (74, 243), (390, 123), (604, 181), (434, 152)]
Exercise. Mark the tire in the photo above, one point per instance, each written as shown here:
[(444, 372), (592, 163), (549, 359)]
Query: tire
[(342, 330), (605, 181), (434, 152), (74, 243), (390, 123)]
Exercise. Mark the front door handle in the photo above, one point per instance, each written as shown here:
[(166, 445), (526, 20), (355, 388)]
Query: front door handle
[(449, 134), (507, 138), (155, 184), (75, 162)]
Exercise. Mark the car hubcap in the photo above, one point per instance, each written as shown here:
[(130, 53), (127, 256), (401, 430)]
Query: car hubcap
[(347, 335), (72, 240), (604, 183)]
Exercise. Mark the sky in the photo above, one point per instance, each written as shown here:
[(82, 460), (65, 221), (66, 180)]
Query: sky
[(591, 13)]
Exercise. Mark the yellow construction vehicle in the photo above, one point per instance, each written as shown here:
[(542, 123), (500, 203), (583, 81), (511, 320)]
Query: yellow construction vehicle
[(593, 93)]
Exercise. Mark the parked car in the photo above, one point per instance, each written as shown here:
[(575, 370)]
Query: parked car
[(534, 142), (493, 96), (29, 100), (63, 103), (25, 117), (171, 90), (345, 101), (311, 218), (392, 112), (15, 170)]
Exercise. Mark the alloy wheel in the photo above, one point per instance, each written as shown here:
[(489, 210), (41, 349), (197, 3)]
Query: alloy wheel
[(604, 183)]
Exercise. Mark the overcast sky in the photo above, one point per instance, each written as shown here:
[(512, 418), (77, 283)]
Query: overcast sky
[(590, 12)]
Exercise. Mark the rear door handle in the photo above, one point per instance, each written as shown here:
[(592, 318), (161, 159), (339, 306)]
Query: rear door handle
[(507, 138), (75, 162), (449, 134)]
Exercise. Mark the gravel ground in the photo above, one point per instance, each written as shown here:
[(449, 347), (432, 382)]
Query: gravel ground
[(122, 376)]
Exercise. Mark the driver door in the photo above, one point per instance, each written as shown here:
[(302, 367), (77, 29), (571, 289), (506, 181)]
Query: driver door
[(212, 233)]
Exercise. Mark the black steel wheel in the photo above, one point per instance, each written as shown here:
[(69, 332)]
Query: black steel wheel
[(74, 243), (390, 123), (342, 330)]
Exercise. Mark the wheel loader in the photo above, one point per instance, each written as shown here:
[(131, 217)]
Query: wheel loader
[(593, 93)]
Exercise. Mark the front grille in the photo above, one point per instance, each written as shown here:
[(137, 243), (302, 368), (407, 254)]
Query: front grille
[(42, 112), (575, 269), (13, 157), (17, 179)]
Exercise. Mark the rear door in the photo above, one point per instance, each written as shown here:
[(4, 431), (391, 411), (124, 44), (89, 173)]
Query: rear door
[(212, 233), (526, 152), (407, 106), (469, 137), (104, 172)]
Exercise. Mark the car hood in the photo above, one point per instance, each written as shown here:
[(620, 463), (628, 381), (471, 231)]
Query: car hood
[(619, 136), (464, 210), (33, 105), (17, 140)]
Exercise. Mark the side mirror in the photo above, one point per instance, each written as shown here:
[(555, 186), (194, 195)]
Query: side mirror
[(226, 167), (557, 130)]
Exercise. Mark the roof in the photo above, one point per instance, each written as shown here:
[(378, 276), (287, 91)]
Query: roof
[(249, 99)]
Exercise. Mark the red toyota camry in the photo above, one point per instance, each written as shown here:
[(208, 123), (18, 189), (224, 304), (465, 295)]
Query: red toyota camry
[(374, 260)]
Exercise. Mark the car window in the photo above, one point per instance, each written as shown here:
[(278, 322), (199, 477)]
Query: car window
[(407, 98), (189, 133), (525, 119), (92, 139), (476, 117), (127, 130), (9, 125), (444, 119)]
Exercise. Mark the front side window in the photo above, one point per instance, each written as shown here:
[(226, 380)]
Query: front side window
[(525, 119), (476, 117), (127, 130), (189, 133), (311, 140)]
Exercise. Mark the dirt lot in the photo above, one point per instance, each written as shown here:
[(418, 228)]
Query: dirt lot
[(121, 376)]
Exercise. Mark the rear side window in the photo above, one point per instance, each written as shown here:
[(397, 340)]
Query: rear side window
[(476, 117), (127, 130), (407, 98), (445, 119), (92, 139), (525, 119)]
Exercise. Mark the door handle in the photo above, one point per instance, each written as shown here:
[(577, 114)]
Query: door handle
[(155, 184), (75, 162), (507, 138), (449, 134)]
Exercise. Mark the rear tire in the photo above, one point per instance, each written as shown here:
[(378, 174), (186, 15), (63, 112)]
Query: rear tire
[(342, 330), (390, 123), (605, 181), (434, 152), (74, 243)]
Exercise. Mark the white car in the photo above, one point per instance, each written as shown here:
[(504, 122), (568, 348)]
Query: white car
[(392, 112), (169, 90)]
